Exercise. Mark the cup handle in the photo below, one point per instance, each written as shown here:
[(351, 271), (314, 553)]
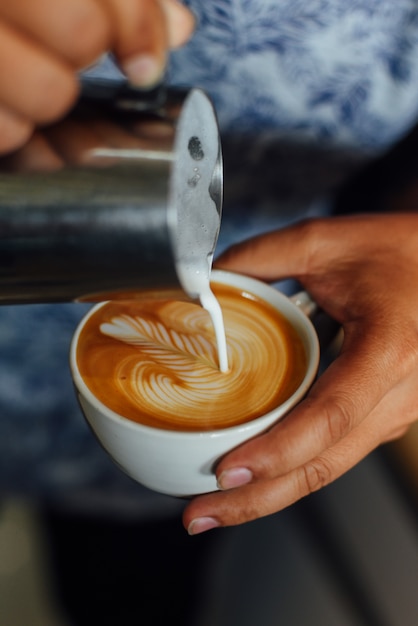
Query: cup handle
[(330, 332), (305, 303)]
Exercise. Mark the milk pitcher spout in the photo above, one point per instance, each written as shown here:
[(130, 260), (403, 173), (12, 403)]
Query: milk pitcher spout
[(114, 201)]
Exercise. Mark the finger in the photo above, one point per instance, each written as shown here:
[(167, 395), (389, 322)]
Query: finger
[(139, 31), (341, 398), (180, 22), (144, 31), (14, 130), (271, 256), (316, 246), (390, 418), (34, 85), (78, 31), (250, 502), (308, 247), (37, 155), (140, 38)]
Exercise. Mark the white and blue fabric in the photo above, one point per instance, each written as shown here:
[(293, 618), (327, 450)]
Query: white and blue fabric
[(339, 70)]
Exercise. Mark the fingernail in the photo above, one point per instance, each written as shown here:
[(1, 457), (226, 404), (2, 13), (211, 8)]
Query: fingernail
[(143, 70), (235, 477), (202, 524)]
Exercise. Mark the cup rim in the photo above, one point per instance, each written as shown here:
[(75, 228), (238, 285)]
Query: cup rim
[(243, 282)]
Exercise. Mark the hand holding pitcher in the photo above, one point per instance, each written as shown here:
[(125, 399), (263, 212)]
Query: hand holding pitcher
[(44, 44)]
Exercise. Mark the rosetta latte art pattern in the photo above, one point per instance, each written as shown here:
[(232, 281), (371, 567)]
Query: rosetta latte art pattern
[(164, 366)]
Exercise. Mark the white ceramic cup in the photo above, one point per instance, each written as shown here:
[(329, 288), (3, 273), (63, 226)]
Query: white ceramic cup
[(182, 463)]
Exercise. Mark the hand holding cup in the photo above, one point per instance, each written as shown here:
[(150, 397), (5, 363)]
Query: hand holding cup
[(361, 270)]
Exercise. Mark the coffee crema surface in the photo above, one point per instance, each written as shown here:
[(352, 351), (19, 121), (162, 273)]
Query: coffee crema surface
[(156, 362)]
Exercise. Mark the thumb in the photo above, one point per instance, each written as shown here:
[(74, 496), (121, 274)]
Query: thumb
[(275, 255), (146, 30)]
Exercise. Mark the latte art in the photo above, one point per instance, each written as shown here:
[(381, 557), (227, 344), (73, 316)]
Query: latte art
[(156, 363)]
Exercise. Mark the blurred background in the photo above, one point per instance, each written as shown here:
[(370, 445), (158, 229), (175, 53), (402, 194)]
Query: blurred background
[(347, 555)]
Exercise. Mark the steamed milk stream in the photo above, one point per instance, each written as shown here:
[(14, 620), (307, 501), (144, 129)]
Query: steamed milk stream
[(210, 303), (156, 362)]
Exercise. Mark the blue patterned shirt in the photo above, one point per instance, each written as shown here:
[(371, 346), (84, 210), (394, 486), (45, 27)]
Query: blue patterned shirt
[(340, 70)]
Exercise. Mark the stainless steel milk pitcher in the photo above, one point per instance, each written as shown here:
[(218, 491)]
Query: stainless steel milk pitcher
[(121, 199)]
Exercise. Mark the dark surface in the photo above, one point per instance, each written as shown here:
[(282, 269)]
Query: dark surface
[(345, 556), (111, 572)]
